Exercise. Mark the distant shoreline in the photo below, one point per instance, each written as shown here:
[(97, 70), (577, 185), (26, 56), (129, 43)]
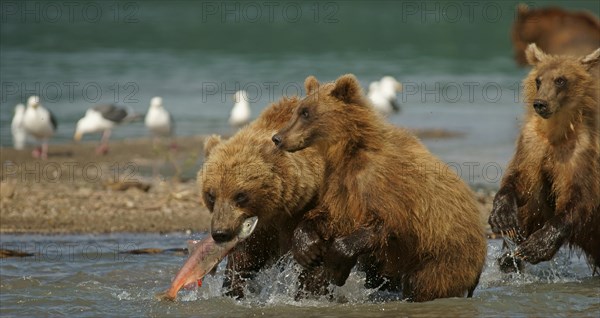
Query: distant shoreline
[(423, 133), (138, 187)]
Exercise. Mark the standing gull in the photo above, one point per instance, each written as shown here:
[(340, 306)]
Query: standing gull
[(383, 95), (102, 118), (39, 123), (16, 128), (161, 125), (240, 113), (158, 120)]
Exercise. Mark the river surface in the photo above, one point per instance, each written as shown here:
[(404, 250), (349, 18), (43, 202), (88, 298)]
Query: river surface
[(83, 275), (454, 59)]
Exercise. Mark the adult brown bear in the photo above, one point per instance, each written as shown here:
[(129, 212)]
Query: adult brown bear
[(385, 199), (550, 193), (555, 31), (247, 176)]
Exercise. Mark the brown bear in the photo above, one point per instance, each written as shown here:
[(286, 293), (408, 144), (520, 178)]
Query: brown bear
[(247, 176), (550, 193), (385, 199), (554, 30)]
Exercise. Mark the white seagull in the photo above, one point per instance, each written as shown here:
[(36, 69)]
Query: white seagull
[(240, 113), (16, 128), (39, 123), (158, 120), (102, 118), (382, 94)]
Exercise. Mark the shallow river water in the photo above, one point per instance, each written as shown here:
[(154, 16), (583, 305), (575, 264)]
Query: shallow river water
[(88, 276)]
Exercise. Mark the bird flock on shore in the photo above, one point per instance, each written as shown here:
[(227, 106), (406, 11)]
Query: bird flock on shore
[(38, 122)]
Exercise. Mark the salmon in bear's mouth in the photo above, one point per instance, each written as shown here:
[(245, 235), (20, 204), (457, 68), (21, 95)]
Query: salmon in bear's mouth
[(204, 256)]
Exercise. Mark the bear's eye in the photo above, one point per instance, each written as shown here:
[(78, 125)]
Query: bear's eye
[(304, 113), (560, 81), (240, 198), (538, 82), (210, 198)]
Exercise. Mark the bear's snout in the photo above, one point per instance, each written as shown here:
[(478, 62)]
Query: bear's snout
[(541, 107), (221, 236), (277, 140)]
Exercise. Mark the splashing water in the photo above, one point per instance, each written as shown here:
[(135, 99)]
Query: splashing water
[(77, 275)]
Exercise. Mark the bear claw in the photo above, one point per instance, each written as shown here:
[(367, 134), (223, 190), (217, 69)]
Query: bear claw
[(504, 214), (307, 246)]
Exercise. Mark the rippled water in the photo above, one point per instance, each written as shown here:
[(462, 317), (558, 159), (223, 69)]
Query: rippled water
[(87, 276)]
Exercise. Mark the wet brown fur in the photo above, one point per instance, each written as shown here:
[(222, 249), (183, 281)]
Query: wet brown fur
[(554, 175), (378, 176), (280, 187), (555, 31)]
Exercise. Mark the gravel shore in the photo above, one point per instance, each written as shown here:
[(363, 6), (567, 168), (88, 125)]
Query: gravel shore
[(137, 187)]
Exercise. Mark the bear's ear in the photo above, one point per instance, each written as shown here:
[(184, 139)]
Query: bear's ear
[(311, 84), (534, 55), (210, 143), (591, 60), (522, 9), (347, 89)]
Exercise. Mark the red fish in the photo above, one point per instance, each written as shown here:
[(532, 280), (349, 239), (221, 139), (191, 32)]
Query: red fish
[(204, 256)]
